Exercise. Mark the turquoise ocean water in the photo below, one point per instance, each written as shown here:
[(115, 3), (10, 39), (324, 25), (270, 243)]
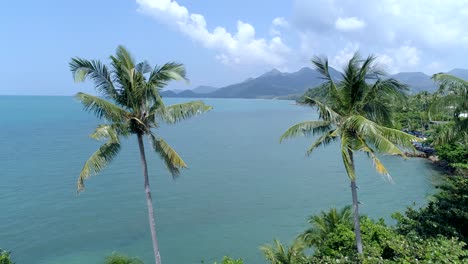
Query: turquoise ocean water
[(242, 189)]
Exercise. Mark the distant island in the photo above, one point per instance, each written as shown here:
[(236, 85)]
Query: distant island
[(282, 85)]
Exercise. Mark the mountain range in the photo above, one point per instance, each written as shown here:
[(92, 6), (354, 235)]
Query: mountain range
[(276, 84)]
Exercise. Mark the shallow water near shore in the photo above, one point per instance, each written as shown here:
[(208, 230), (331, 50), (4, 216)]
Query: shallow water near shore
[(242, 190)]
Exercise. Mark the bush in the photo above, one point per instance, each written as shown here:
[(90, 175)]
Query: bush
[(121, 259), (5, 257), (447, 215), (382, 244), (453, 153), (333, 241)]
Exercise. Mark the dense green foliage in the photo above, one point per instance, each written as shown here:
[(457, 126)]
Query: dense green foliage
[(453, 153), (446, 214), (382, 244), (453, 99), (324, 224), (5, 257), (280, 254), (121, 259)]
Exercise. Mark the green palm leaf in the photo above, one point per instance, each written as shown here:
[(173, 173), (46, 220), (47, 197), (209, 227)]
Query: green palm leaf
[(306, 128), (448, 81), (327, 113), (160, 76), (385, 140), (279, 254), (170, 157), (347, 157), (178, 112), (102, 157), (98, 72), (321, 65), (379, 167), (102, 108), (323, 140)]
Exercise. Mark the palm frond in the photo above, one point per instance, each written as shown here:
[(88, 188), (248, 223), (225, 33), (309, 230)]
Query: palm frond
[(454, 133), (452, 104), (379, 167), (102, 108), (124, 57), (178, 112), (143, 67), (306, 128), (321, 65), (160, 76), (170, 157), (98, 72), (377, 99), (346, 155), (102, 157), (449, 82), (323, 140), (279, 254), (324, 224), (385, 140), (110, 131), (326, 113)]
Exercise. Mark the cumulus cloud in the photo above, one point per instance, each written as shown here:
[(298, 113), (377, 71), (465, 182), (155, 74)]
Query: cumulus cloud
[(280, 22), (343, 56), (241, 47), (407, 35), (402, 58), (277, 24), (349, 24)]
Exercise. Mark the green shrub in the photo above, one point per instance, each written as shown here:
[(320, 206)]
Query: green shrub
[(5, 257), (382, 244), (453, 153), (121, 259), (446, 215)]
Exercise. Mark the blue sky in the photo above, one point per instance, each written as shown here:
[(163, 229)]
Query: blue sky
[(222, 42)]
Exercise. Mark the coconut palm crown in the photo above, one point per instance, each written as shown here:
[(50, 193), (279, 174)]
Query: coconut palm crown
[(356, 114), (453, 99), (130, 104)]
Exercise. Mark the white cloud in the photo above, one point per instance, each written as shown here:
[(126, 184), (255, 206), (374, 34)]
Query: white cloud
[(343, 56), (277, 24), (407, 35), (280, 22), (403, 58), (349, 24), (242, 47)]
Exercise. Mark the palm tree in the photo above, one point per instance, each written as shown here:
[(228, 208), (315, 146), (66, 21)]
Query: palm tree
[(453, 92), (130, 104), (355, 114), (278, 254), (325, 224)]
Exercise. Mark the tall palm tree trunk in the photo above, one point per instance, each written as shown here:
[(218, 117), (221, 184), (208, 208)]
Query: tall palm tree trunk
[(149, 201), (357, 225)]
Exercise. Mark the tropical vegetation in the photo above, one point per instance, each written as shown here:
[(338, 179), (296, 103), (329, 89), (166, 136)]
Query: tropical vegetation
[(453, 99), (435, 233), (357, 113), (130, 104), (116, 258), (5, 257)]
